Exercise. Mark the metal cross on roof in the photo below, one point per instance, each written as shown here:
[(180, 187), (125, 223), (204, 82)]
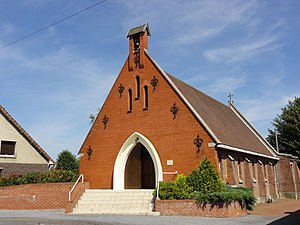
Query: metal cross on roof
[(230, 98)]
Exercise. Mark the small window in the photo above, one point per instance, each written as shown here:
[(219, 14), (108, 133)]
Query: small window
[(129, 100), (265, 172), (8, 147), (138, 87), (146, 97), (254, 171), (239, 169)]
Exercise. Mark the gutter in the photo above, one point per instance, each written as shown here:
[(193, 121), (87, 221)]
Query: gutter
[(227, 147)]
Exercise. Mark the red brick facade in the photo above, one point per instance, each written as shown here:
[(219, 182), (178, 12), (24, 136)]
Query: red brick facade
[(35, 196), (135, 105), (172, 138)]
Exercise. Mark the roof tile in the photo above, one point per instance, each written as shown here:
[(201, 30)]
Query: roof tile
[(222, 120)]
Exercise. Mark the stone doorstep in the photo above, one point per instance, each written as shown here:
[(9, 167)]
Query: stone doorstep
[(91, 197), (104, 207), (120, 213), (129, 202)]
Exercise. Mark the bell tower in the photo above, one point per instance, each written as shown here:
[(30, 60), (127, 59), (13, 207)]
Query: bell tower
[(138, 41)]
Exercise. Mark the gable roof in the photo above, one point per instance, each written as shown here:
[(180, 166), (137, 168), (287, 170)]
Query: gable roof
[(228, 128), (139, 29), (21, 131)]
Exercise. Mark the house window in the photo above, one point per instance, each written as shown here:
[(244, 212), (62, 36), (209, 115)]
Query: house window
[(129, 100), (8, 147), (145, 97), (138, 87)]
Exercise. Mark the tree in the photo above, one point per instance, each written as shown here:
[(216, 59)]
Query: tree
[(67, 161), (287, 125), (205, 178)]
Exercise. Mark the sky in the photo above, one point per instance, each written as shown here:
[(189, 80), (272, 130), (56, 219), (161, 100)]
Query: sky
[(52, 81)]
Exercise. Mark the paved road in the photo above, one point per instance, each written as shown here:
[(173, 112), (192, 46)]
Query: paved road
[(58, 217), (283, 212)]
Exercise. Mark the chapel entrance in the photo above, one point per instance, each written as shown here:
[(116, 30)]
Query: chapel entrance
[(139, 170)]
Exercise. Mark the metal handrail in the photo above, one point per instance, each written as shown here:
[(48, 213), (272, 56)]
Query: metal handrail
[(82, 180), (169, 173)]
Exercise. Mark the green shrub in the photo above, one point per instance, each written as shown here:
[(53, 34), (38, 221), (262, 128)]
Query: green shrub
[(242, 195), (53, 176), (205, 186), (166, 190), (205, 178), (182, 188), (175, 190)]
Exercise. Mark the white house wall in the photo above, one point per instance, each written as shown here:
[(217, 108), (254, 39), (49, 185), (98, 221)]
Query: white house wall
[(24, 152)]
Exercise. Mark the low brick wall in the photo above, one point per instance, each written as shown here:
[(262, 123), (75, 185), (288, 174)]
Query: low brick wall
[(35, 196), (190, 208)]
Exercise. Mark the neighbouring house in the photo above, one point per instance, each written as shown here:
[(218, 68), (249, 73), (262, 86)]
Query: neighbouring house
[(153, 126), (19, 153)]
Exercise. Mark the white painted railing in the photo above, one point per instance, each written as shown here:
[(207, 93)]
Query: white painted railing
[(82, 180), (167, 173)]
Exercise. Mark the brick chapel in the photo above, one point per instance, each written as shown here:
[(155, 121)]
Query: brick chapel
[(153, 126)]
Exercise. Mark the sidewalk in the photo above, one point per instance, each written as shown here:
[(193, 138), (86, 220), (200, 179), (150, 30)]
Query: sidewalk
[(280, 208), (283, 212), (287, 211)]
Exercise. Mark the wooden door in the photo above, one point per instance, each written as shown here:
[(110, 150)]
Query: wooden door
[(133, 169), (139, 170), (148, 172)]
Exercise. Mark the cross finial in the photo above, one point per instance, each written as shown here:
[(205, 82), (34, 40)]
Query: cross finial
[(230, 101)]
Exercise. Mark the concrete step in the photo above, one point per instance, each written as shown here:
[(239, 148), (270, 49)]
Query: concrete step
[(127, 202)]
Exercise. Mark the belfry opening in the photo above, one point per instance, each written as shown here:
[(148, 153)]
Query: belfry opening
[(139, 169)]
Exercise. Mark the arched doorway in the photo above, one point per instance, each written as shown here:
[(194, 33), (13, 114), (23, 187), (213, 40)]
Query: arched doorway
[(139, 169), (149, 152)]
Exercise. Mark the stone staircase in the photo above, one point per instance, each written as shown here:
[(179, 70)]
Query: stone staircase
[(128, 202)]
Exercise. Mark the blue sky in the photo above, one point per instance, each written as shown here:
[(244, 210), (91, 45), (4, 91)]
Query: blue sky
[(51, 82)]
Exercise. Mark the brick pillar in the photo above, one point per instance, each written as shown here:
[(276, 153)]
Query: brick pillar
[(285, 176), (261, 180), (256, 191), (271, 180), (230, 172)]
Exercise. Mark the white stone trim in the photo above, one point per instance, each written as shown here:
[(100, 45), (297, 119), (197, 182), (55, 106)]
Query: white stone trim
[(245, 151), (120, 163)]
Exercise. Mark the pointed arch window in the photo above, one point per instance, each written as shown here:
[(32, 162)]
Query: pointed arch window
[(129, 100), (146, 101), (138, 87)]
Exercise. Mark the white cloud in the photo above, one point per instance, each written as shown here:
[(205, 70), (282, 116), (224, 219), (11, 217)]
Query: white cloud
[(206, 19), (195, 20), (242, 52), (63, 86), (227, 84), (261, 111), (265, 107)]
